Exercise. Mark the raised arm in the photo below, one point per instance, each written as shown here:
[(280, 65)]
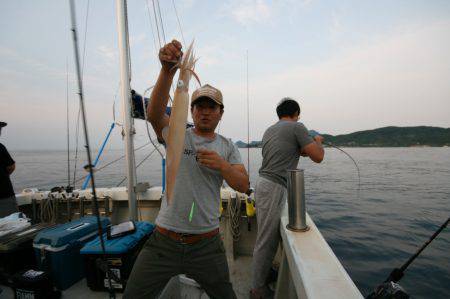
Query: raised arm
[(234, 174), (314, 150), (156, 110)]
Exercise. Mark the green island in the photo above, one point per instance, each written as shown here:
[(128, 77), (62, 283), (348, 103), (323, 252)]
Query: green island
[(421, 136)]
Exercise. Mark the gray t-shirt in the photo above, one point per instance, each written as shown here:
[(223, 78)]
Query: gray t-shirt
[(196, 184), (281, 146)]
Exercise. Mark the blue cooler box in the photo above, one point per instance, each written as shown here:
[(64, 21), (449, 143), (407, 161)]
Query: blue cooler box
[(121, 253), (58, 249)]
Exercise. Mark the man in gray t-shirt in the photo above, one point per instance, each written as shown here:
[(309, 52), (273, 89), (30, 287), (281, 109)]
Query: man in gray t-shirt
[(282, 145), (186, 239), (197, 187)]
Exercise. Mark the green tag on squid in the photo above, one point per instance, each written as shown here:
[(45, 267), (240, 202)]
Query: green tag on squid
[(192, 211)]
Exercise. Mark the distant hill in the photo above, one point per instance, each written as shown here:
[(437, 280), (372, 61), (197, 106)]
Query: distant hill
[(394, 137), (386, 137)]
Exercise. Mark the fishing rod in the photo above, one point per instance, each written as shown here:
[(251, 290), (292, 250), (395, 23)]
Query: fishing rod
[(398, 273), (109, 273)]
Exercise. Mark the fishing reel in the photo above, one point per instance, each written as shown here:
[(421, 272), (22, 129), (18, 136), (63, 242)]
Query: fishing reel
[(388, 290)]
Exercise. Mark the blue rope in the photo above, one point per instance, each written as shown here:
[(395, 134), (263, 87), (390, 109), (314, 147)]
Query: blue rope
[(86, 181)]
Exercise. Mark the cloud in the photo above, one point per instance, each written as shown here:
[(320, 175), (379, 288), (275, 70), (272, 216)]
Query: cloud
[(25, 65), (250, 11), (137, 39), (108, 53), (336, 27), (397, 78)]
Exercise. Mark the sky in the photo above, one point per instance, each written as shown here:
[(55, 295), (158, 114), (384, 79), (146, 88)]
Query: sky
[(352, 65)]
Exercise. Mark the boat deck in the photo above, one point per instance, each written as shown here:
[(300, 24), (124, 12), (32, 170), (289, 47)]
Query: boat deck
[(240, 272)]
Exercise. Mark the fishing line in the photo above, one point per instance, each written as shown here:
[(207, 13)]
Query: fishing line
[(77, 134), (248, 125), (67, 122), (79, 108), (354, 162)]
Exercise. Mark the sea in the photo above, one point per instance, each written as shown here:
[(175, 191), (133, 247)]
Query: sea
[(374, 223)]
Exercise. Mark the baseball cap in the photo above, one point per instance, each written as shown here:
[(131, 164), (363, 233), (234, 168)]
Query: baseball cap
[(3, 124), (209, 92)]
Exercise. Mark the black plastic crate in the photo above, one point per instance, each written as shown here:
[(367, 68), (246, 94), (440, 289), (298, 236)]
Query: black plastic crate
[(16, 251), (121, 253)]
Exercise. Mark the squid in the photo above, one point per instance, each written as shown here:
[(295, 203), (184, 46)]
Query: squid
[(178, 120)]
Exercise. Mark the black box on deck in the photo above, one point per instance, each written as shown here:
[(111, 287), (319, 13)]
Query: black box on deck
[(121, 253), (33, 284), (16, 250)]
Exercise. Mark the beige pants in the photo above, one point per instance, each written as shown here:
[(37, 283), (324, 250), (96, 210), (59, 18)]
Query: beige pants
[(270, 199)]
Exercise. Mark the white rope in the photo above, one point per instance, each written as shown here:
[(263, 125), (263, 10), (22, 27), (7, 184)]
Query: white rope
[(234, 213)]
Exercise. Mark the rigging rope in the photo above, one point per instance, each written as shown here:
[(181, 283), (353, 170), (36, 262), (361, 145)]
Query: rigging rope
[(161, 21), (96, 170), (178, 20), (151, 27), (146, 122), (85, 40), (156, 22), (140, 163)]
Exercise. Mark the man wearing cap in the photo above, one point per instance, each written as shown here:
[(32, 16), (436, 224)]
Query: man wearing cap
[(8, 203), (282, 145), (186, 239)]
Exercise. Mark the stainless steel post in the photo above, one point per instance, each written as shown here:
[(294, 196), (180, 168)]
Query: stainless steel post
[(107, 206), (81, 207), (69, 208), (296, 201)]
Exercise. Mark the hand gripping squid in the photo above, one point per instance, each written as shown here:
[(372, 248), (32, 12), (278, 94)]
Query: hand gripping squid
[(178, 120)]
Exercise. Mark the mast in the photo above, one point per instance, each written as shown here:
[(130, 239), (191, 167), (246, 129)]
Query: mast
[(126, 106)]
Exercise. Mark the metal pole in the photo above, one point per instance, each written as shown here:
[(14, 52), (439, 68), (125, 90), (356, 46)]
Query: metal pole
[(296, 201), (126, 106)]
